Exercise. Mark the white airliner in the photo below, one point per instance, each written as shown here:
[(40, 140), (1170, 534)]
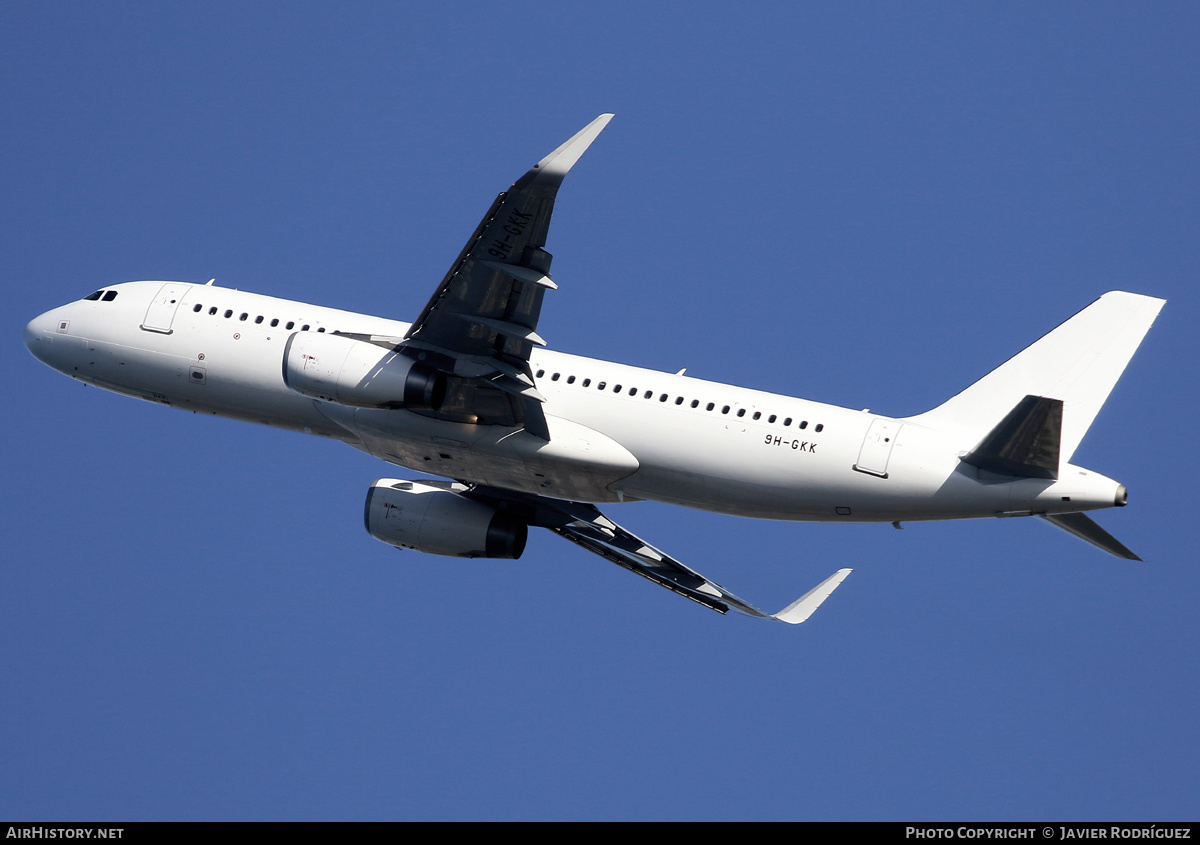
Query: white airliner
[(532, 437)]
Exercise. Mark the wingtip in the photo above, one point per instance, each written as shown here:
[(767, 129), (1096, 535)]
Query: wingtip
[(555, 166), (804, 607)]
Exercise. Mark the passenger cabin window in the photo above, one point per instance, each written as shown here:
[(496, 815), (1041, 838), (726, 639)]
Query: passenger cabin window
[(197, 307), (228, 313), (243, 317), (212, 311), (570, 379), (275, 322), (820, 427), (289, 325), (258, 320)]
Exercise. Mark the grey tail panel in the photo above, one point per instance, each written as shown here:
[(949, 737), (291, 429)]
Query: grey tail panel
[(1082, 526), (1026, 443)]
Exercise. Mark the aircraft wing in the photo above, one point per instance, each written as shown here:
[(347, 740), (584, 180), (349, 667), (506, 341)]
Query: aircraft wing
[(584, 525), (480, 326)]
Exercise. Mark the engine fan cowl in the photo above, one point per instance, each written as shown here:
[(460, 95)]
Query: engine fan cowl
[(354, 372), (411, 515)]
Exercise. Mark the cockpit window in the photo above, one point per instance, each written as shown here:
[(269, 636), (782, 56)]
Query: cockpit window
[(93, 297), (110, 296)]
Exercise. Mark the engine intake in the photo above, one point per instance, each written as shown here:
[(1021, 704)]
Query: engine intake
[(411, 515), (354, 372)]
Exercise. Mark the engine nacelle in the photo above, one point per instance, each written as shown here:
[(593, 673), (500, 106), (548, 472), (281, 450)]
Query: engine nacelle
[(411, 515), (354, 372)]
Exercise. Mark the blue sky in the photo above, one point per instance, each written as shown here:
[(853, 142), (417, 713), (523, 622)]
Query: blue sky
[(870, 205)]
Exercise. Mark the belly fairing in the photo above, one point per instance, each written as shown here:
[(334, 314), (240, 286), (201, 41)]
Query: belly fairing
[(578, 463)]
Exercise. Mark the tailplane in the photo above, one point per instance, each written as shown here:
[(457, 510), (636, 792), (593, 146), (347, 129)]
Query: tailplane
[(1082, 526)]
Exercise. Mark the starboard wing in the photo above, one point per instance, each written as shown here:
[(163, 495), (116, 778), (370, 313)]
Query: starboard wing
[(480, 325)]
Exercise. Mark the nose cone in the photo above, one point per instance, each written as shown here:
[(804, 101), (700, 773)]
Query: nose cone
[(39, 335), (32, 332)]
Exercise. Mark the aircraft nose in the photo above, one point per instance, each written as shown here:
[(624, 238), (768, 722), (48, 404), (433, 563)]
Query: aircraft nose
[(39, 335)]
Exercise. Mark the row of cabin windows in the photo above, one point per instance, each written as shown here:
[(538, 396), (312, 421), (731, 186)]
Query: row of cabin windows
[(109, 296), (679, 400), (245, 315)]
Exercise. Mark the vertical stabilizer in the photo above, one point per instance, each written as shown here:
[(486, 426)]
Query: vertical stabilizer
[(1078, 363)]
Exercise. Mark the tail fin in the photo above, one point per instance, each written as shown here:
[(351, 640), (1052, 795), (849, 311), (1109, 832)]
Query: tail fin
[(1078, 362)]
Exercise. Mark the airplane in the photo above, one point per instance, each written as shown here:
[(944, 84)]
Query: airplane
[(525, 436)]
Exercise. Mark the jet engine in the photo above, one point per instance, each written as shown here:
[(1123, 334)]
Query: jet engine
[(411, 515), (354, 372)]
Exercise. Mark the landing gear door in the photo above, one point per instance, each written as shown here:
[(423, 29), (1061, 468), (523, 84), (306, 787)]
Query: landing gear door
[(162, 308), (877, 447)]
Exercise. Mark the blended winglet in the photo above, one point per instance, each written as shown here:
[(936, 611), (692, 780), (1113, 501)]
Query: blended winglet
[(551, 170), (803, 607)]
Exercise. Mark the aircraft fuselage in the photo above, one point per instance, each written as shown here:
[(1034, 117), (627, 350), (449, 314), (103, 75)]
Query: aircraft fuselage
[(618, 432)]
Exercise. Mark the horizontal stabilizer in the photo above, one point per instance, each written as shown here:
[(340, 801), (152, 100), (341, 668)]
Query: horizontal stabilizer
[(1083, 527), (1026, 441)]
